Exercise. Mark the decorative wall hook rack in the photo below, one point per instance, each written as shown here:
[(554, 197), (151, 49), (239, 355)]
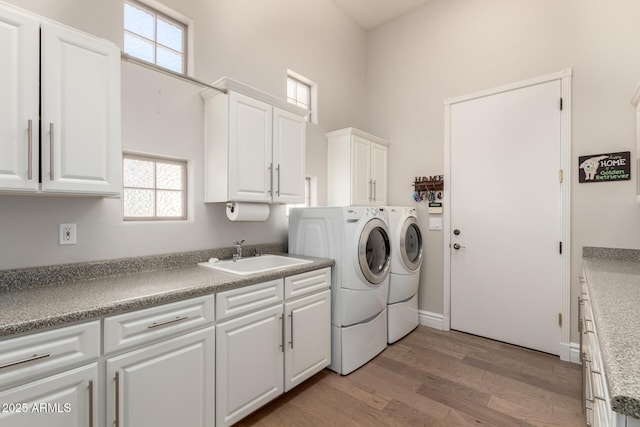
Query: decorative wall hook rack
[(428, 188)]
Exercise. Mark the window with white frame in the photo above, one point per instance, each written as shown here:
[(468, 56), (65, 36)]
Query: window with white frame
[(154, 188), (154, 37), (307, 196), (303, 93)]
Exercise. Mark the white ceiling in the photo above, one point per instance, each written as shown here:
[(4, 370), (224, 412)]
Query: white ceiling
[(371, 13)]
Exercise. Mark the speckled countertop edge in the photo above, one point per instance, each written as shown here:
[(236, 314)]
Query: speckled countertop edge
[(613, 281), (36, 308)]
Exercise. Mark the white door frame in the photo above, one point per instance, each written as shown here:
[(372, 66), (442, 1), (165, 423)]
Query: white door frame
[(565, 204)]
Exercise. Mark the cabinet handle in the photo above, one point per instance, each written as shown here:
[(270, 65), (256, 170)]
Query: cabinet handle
[(90, 403), (282, 333), (278, 171), (270, 178), (370, 190), (51, 151), (375, 190), (291, 320), (117, 420), (30, 149), (167, 322), (28, 359)]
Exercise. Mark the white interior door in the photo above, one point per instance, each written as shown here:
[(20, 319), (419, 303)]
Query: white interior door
[(506, 216)]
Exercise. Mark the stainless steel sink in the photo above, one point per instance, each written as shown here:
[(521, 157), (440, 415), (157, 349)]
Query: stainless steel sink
[(252, 265)]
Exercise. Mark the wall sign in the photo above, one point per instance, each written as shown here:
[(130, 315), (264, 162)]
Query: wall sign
[(605, 167)]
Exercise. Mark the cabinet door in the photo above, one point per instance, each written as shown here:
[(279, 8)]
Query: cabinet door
[(19, 101), (379, 174), (80, 128), (250, 147), (288, 156), (69, 399), (308, 346), (361, 185), (164, 385), (249, 363)]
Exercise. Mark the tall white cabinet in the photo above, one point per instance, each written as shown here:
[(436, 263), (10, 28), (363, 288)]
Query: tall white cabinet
[(359, 159), (254, 146), (73, 145)]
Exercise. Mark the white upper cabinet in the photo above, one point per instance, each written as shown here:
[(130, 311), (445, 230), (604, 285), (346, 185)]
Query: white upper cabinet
[(75, 147), (360, 159), (254, 146), (80, 112), (19, 101)]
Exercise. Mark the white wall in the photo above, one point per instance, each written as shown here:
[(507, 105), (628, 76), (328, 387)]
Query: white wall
[(450, 48), (251, 41)]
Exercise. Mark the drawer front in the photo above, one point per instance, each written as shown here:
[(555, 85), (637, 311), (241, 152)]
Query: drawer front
[(45, 352), (152, 324), (306, 283), (244, 300)]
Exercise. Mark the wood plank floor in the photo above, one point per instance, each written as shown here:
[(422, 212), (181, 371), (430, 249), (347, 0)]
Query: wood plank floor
[(435, 378)]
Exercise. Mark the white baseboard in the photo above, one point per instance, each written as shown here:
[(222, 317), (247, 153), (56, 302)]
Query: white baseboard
[(574, 353), (432, 320)]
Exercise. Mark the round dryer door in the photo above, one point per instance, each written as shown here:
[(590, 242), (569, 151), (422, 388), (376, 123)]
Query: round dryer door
[(374, 251), (411, 244)]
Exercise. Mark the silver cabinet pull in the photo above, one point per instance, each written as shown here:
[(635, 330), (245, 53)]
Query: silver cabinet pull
[(51, 151), (291, 320), (28, 359), (167, 322), (370, 190), (117, 420), (271, 179), (30, 149), (282, 333), (90, 403), (278, 171), (375, 190)]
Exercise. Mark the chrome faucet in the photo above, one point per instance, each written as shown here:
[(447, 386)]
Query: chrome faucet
[(238, 253)]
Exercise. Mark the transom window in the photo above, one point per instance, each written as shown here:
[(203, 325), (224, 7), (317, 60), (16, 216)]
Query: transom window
[(304, 93), (154, 188), (154, 37)]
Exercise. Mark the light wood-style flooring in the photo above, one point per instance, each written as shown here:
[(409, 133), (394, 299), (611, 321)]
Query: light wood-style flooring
[(435, 378)]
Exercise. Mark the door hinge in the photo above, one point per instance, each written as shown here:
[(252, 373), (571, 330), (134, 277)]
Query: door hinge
[(559, 319), (561, 175), (560, 247), (560, 104)]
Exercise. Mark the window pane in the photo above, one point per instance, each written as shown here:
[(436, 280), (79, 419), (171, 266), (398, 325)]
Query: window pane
[(302, 94), (138, 47), (169, 59), (138, 203), (169, 176), (291, 89), (138, 21), (137, 173), (170, 35), (169, 203)]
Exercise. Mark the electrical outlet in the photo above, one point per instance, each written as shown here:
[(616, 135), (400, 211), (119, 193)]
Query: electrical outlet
[(67, 234)]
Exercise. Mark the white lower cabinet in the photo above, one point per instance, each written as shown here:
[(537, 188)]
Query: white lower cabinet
[(166, 384), (69, 399), (249, 363), (272, 346)]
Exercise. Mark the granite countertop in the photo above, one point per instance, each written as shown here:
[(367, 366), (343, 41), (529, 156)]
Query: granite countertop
[(613, 281), (38, 307)]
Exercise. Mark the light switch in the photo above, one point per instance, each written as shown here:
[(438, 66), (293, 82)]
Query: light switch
[(435, 223)]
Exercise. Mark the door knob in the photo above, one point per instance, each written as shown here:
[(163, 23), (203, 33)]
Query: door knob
[(456, 232), (457, 246)]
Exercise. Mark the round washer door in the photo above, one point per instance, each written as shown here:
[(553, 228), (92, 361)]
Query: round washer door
[(374, 251), (411, 244)]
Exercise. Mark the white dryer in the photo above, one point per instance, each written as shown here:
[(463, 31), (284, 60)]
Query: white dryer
[(357, 238), (404, 279)]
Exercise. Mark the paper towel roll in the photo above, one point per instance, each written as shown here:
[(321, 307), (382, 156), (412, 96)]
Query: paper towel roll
[(238, 211)]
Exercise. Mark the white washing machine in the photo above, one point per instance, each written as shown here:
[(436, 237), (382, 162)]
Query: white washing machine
[(404, 278), (357, 238)]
